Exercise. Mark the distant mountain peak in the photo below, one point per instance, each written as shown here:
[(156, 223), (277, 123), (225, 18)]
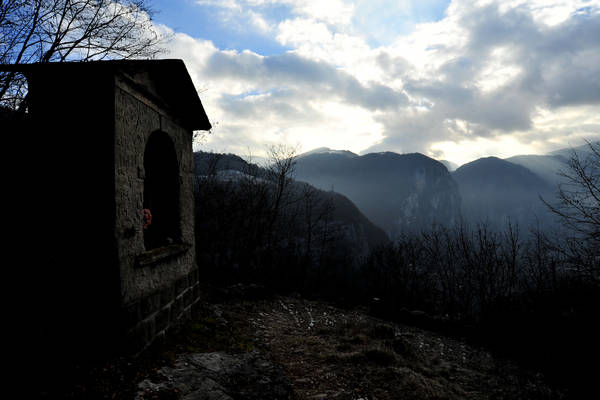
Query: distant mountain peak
[(327, 150), (499, 191)]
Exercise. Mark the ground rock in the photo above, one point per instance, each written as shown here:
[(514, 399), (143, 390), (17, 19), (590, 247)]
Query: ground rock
[(217, 376)]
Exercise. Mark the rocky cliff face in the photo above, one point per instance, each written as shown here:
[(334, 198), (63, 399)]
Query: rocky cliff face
[(398, 192)]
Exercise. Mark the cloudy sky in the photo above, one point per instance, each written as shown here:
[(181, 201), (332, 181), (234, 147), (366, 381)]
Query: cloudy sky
[(454, 80)]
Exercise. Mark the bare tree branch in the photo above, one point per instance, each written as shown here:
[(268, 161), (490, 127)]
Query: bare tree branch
[(71, 30), (578, 198)]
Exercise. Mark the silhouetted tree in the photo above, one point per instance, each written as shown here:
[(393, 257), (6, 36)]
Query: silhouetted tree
[(578, 206), (579, 196), (70, 30), (280, 172)]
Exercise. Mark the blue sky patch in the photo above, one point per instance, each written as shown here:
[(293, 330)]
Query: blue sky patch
[(378, 21), (212, 23)]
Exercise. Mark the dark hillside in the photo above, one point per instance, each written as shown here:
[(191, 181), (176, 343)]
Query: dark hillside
[(344, 212), (210, 163), (249, 225)]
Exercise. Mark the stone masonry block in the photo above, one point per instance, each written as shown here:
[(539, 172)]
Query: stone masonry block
[(181, 284), (150, 304), (163, 318)]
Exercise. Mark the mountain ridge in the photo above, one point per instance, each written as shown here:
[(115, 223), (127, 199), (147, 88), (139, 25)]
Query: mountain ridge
[(397, 192), (504, 190), (498, 191)]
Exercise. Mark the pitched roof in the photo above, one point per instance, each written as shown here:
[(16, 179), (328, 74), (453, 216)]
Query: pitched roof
[(170, 78)]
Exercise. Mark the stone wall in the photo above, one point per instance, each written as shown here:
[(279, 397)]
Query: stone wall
[(159, 287), (150, 317), (76, 204)]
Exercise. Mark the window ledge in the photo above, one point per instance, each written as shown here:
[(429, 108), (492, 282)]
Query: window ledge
[(159, 254)]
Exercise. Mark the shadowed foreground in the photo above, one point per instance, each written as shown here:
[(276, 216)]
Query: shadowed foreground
[(289, 347)]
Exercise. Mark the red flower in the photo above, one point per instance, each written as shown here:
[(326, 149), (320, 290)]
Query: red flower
[(147, 217)]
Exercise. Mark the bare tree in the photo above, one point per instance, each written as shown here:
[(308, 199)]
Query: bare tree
[(578, 198), (70, 30), (282, 165), (578, 206)]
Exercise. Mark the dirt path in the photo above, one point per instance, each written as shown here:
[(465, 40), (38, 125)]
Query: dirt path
[(312, 350), (332, 353), (327, 352)]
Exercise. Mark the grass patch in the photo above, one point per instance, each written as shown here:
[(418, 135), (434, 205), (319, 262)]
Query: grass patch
[(381, 331), (379, 356), (207, 334)]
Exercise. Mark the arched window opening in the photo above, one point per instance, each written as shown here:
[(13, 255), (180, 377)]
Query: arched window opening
[(161, 192), (14, 88)]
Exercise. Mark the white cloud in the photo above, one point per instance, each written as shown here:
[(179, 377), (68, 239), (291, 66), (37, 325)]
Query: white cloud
[(466, 150), (498, 70), (316, 41), (301, 31), (490, 77), (229, 4), (260, 22), (334, 12), (547, 12)]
